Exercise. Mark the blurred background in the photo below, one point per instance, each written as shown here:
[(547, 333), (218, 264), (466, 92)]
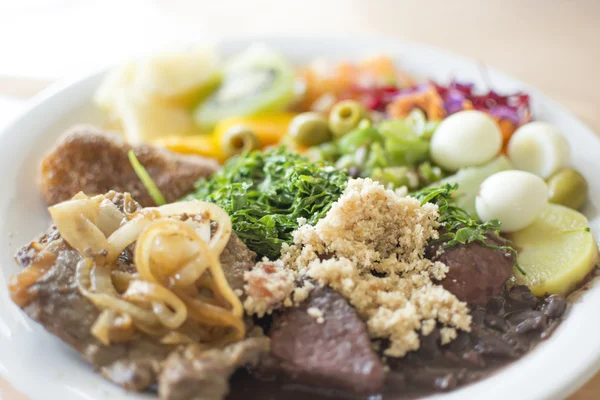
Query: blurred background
[(550, 44)]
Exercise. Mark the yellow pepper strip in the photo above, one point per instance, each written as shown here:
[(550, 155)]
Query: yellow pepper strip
[(203, 145), (270, 129)]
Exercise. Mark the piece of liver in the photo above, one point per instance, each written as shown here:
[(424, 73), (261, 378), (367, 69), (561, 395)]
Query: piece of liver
[(475, 272), (334, 354)]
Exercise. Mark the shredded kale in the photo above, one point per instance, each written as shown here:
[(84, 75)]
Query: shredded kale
[(460, 227), (265, 193)]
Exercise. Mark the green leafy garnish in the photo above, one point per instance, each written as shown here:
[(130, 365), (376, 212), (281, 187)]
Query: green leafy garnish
[(459, 226), (146, 180), (265, 193)]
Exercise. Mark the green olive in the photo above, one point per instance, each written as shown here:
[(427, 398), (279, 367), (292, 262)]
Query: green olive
[(345, 116), (569, 188), (239, 139), (309, 129)]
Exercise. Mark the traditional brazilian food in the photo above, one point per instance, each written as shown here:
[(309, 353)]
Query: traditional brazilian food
[(334, 231)]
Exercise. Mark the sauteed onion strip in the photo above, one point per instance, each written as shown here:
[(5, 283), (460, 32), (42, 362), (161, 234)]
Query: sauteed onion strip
[(179, 286)]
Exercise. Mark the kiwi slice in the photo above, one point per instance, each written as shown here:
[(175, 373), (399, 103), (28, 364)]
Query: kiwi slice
[(256, 81)]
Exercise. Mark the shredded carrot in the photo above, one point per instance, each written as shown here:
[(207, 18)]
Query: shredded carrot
[(507, 128), (344, 77), (429, 101), (383, 68)]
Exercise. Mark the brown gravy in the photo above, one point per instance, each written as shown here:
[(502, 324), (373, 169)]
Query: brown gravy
[(507, 328)]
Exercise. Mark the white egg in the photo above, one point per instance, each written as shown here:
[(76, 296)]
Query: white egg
[(465, 139), (539, 148), (516, 198)]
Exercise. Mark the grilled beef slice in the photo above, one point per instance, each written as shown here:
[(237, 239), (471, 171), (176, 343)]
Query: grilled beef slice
[(334, 354), (236, 259), (55, 302), (89, 160), (197, 374)]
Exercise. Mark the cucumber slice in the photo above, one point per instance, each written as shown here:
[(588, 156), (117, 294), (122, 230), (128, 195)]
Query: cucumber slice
[(469, 179), (256, 81)]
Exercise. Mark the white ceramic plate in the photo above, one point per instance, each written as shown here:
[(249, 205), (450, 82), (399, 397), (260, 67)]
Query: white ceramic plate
[(45, 368)]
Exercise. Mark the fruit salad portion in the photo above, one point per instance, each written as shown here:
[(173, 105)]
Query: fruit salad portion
[(371, 119)]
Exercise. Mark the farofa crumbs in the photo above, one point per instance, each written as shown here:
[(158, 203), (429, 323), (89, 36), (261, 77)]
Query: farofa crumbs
[(447, 335), (268, 286), (427, 326), (316, 314), (271, 285), (371, 229)]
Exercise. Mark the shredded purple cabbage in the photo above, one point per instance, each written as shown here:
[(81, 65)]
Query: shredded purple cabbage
[(513, 107)]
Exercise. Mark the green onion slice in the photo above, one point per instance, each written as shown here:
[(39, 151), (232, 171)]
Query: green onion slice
[(146, 180)]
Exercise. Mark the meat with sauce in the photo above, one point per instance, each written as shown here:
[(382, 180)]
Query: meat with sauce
[(199, 374), (55, 301), (334, 352), (475, 272), (89, 160)]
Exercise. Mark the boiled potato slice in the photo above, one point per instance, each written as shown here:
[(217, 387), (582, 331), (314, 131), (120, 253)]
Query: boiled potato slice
[(557, 251)]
